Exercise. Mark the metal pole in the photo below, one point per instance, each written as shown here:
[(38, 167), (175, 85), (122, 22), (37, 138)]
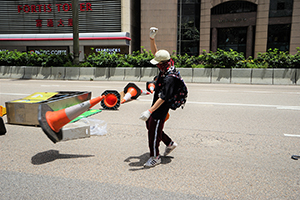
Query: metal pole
[(75, 31), (180, 16)]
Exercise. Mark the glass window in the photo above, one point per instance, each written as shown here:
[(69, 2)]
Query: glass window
[(279, 37), (233, 38), (188, 33), (281, 8)]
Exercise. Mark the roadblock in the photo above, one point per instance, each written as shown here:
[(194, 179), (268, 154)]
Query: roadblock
[(24, 111), (53, 121)]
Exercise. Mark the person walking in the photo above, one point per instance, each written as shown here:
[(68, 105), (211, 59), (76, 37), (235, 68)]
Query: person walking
[(155, 117)]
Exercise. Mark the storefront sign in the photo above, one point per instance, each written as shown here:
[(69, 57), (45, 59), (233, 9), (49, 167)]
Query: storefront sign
[(109, 50), (49, 50), (120, 49), (232, 20)]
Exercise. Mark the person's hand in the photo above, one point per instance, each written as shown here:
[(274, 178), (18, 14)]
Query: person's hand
[(145, 115), (153, 31)]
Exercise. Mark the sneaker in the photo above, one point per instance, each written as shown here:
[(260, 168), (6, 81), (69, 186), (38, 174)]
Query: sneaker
[(170, 148), (153, 161)]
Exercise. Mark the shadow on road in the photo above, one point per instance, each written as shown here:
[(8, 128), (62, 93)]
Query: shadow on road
[(51, 155), (137, 162)]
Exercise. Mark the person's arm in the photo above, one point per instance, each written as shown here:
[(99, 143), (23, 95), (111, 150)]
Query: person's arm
[(153, 32), (156, 105), (145, 115), (153, 46)]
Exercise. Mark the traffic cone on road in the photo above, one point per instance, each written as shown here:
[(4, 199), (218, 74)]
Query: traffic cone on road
[(53, 121), (145, 92), (132, 91), (2, 111), (150, 86)]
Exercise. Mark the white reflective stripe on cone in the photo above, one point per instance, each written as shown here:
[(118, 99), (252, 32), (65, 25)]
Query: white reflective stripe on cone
[(127, 96), (76, 110)]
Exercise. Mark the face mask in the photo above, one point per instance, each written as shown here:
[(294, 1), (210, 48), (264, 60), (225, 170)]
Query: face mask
[(164, 66)]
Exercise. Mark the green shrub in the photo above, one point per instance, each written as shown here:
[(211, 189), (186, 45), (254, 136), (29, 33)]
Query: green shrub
[(220, 59), (278, 59), (103, 59), (138, 59), (15, 58), (184, 61)]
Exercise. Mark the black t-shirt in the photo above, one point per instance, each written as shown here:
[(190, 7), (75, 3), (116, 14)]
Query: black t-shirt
[(164, 89)]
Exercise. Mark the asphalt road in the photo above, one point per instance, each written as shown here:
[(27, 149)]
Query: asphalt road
[(234, 142)]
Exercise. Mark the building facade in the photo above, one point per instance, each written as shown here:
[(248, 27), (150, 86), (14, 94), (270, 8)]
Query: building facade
[(185, 26), (252, 26), (47, 26)]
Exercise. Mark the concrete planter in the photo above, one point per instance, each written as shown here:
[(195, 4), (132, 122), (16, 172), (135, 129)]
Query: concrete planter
[(132, 74), (57, 73), (5, 72), (17, 72), (284, 76), (148, 73), (202, 75), (31, 72), (117, 73), (72, 73), (221, 75), (186, 74), (262, 76), (44, 73), (297, 77), (242, 76), (86, 73), (101, 73)]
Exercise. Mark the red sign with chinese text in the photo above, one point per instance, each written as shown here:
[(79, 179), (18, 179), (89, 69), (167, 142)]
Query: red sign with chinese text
[(48, 8), (55, 16)]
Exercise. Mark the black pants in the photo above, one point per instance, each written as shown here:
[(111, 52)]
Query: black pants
[(156, 135)]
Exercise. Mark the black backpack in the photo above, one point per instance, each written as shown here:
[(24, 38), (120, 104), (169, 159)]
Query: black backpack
[(179, 98)]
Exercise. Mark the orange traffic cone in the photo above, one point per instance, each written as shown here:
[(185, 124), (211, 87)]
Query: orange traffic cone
[(2, 111), (145, 92), (150, 86), (132, 91), (167, 117), (111, 100), (52, 121)]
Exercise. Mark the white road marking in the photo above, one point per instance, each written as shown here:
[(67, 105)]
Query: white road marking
[(289, 107), (279, 107), (52, 85), (290, 135), (16, 94)]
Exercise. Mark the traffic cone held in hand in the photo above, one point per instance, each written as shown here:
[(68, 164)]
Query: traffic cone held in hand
[(150, 86), (132, 91), (53, 121)]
